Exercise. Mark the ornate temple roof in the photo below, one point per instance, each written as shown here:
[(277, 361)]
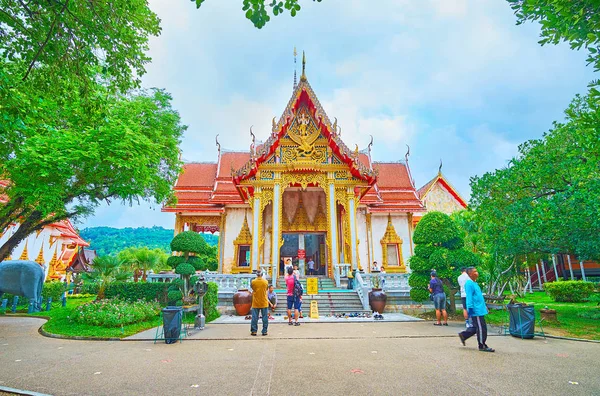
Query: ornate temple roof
[(208, 187), (440, 179)]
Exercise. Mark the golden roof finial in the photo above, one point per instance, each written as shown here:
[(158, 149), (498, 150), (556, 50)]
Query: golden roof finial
[(40, 257), (25, 253), (303, 77), (295, 53)]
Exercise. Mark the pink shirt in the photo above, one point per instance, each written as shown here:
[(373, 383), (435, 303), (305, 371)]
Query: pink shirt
[(289, 282)]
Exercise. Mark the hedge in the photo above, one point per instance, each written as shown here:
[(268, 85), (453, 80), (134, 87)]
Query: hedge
[(134, 291), (569, 291), (210, 300)]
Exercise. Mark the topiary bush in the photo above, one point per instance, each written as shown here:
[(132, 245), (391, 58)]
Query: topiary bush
[(569, 291), (439, 246), (210, 301), (114, 312), (53, 289), (189, 242)]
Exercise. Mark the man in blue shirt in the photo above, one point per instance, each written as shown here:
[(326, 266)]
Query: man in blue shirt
[(477, 310)]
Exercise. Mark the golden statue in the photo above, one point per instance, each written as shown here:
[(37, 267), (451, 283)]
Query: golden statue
[(304, 135)]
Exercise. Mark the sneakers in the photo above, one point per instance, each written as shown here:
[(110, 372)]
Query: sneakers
[(462, 339), (253, 334), (487, 349), (271, 317)]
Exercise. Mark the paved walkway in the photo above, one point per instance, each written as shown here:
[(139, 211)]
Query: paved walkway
[(323, 358)]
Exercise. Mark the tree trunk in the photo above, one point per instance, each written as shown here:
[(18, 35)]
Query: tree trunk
[(26, 228)]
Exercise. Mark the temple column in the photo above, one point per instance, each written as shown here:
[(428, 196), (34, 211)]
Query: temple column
[(333, 237), (256, 213), (276, 231), (301, 261), (369, 241), (352, 224), (222, 241), (178, 224)]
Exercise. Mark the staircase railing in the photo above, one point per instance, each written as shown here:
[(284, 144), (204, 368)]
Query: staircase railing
[(362, 289), (340, 271)]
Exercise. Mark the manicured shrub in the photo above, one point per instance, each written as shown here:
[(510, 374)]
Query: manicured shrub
[(115, 313), (210, 301), (134, 291), (89, 288), (569, 291), (53, 289)]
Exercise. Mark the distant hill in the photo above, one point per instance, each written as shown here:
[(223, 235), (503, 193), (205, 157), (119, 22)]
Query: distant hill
[(108, 240)]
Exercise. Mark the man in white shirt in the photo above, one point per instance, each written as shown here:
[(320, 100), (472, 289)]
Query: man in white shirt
[(462, 279)]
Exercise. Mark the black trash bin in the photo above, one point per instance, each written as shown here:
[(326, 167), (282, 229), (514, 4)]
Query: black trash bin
[(522, 320), (172, 317)]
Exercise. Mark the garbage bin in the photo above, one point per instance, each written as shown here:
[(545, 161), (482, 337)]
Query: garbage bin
[(522, 320), (172, 317)]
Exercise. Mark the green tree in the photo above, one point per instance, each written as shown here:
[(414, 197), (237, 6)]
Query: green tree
[(106, 269), (574, 21), (257, 10), (438, 246), (73, 133), (186, 243), (142, 259), (547, 200)]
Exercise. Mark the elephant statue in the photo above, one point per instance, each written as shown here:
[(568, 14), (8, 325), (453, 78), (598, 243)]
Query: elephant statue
[(22, 278)]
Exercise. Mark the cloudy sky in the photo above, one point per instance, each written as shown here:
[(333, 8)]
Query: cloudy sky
[(456, 80)]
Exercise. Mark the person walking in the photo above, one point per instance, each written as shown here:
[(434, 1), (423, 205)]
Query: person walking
[(260, 304), (477, 310), (436, 288), (462, 279), (290, 281)]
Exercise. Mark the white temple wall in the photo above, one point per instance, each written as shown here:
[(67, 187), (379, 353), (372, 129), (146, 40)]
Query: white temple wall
[(233, 226), (361, 235), (379, 225)]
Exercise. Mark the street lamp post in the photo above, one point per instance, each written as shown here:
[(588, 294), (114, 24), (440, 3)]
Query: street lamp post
[(200, 289)]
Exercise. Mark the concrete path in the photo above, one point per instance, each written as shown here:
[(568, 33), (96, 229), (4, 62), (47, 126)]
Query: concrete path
[(323, 358)]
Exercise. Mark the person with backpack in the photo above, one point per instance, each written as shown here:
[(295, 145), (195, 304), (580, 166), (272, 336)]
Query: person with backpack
[(436, 288), (293, 296)]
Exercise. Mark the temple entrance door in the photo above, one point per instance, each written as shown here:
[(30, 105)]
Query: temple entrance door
[(314, 248)]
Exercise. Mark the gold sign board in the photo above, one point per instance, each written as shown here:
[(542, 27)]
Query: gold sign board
[(314, 310), (312, 286)]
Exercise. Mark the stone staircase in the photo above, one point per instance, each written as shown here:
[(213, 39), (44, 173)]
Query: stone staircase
[(331, 300)]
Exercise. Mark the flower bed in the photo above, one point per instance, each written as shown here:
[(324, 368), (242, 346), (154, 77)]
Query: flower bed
[(115, 313)]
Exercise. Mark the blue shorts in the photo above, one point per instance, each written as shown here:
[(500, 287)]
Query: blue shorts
[(439, 301), (293, 302)]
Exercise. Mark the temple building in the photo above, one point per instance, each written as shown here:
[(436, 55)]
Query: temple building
[(56, 247), (304, 194)]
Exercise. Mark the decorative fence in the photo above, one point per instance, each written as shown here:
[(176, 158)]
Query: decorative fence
[(229, 282), (364, 282)]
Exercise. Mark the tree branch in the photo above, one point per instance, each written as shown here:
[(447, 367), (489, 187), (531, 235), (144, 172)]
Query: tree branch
[(39, 51)]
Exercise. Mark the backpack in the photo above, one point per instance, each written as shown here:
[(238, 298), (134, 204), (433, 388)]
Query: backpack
[(297, 288)]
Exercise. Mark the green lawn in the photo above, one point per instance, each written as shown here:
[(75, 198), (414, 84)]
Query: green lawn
[(569, 323), (59, 323)]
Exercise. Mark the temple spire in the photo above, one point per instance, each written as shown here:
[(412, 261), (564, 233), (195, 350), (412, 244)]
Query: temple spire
[(303, 77), (295, 53), (440, 168)]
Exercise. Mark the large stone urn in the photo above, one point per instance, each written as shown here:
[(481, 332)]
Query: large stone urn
[(242, 302), (377, 300)]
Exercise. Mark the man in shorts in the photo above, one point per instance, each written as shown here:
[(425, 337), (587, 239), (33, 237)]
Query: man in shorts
[(292, 302), (436, 288), (272, 296)]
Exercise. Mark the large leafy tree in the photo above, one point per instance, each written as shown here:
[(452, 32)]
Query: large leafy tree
[(257, 11), (548, 199), (72, 131), (574, 21), (438, 246)]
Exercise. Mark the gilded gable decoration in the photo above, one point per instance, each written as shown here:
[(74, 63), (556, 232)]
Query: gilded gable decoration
[(391, 248)]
